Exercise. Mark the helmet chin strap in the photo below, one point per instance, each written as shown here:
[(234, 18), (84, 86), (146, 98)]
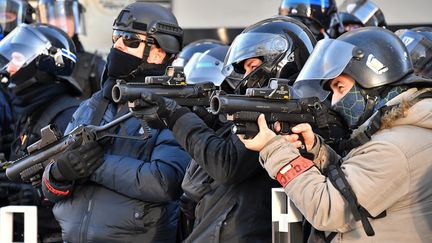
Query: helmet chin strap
[(146, 53), (372, 98), (144, 63)]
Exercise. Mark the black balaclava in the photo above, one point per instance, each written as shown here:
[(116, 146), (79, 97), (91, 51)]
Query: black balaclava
[(121, 65)]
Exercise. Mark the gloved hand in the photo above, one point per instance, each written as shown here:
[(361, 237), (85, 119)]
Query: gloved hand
[(78, 162), (156, 110), (210, 119), (166, 107), (22, 194)]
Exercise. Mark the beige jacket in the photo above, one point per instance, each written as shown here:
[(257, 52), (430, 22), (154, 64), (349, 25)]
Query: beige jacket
[(392, 173)]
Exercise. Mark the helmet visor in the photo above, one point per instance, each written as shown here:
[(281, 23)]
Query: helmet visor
[(289, 4), (21, 47), (248, 45), (204, 68), (419, 47), (62, 14), (11, 14), (327, 61), (362, 10)]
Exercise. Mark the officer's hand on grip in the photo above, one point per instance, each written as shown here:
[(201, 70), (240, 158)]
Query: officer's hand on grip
[(166, 107), (77, 163), (302, 130), (209, 119)]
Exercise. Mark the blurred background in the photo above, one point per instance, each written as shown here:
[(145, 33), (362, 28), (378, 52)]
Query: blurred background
[(224, 19)]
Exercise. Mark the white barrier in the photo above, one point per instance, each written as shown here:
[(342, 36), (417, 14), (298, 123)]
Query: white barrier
[(286, 219), (30, 223)]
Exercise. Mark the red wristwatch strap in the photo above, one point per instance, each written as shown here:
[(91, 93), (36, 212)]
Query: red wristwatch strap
[(293, 169)]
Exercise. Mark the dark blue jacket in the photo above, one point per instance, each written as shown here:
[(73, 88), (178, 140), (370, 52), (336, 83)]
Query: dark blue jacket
[(6, 123), (132, 196)]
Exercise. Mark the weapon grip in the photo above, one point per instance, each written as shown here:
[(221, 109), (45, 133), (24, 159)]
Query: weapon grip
[(303, 151), (146, 128), (285, 128)]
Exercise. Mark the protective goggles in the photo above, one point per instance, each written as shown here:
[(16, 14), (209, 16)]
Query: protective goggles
[(131, 40)]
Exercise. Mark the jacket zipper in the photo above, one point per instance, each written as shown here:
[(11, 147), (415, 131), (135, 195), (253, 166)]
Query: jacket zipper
[(85, 222)]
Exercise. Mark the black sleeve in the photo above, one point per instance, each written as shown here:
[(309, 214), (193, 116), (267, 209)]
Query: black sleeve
[(225, 159)]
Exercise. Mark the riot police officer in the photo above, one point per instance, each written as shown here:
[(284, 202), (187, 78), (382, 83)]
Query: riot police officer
[(419, 44), (190, 49), (38, 59), (383, 183), (318, 16), (231, 180), (354, 14), (68, 16), (12, 13), (129, 189)]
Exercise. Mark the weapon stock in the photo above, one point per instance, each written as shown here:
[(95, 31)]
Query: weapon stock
[(52, 143)]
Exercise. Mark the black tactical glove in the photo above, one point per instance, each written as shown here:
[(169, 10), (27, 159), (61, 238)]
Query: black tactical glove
[(166, 107), (167, 110), (77, 163), (212, 121)]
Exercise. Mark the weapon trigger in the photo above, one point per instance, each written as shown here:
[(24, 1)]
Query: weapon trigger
[(303, 150)]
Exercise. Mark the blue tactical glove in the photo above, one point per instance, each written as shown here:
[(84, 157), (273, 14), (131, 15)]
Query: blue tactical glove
[(78, 162)]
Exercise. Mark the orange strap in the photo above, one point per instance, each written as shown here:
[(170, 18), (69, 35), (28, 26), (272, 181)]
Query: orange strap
[(293, 169)]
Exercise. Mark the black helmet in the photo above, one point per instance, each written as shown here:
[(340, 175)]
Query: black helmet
[(207, 66), (419, 44), (197, 46), (424, 30), (38, 47), (65, 14), (282, 43), (365, 11), (372, 56), (156, 22), (317, 15), (14, 13), (347, 22)]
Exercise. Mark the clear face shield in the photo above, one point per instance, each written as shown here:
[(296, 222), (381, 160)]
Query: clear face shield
[(204, 68), (303, 7), (66, 15), (420, 50), (364, 11), (20, 48), (327, 61), (12, 13), (267, 47), (249, 45)]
